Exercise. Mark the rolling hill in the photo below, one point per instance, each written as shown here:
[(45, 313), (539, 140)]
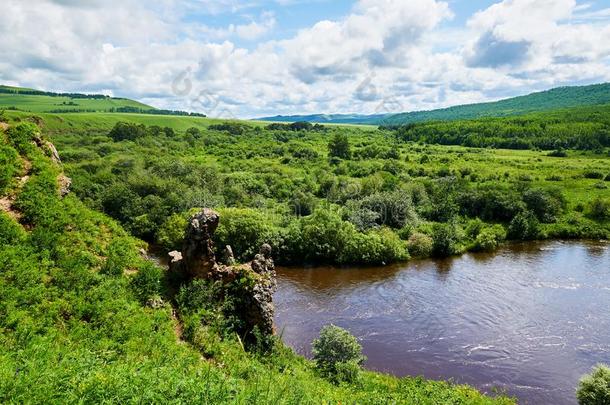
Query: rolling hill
[(558, 98), (37, 101)]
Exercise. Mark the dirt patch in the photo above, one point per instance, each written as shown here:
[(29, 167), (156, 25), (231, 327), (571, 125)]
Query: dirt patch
[(4, 126)]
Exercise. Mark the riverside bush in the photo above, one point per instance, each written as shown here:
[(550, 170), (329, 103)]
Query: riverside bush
[(420, 245), (594, 388), (337, 354)]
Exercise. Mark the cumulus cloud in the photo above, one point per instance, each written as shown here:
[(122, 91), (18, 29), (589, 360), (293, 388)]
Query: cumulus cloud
[(382, 56)]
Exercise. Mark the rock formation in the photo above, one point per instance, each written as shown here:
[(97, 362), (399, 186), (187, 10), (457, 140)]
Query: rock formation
[(253, 300)]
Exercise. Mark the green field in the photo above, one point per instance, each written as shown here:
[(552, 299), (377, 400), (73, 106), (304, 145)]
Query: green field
[(44, 103)]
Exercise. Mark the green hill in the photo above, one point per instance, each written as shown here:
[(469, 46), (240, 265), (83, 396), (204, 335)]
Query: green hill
[(558, 98), (30, 100), (561, 97), (37, 101)]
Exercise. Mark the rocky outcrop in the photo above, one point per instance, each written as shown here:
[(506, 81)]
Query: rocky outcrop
[(253, 299)]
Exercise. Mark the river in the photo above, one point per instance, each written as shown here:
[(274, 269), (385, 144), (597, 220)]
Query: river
[(527, 320)]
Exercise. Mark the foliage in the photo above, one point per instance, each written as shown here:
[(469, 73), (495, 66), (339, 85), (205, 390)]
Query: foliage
[(446, 239), (146, 284), (524, 226), (339, 146), (600, 209), (280, 174), (489, 238), (420, 245), (244, 229), (594, 389), (337, 354)]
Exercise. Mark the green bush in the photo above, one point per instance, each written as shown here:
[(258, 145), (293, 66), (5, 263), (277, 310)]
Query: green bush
[(594, 388), (171, 233), (119, 257), (146, 284), (545, 205), (600, 209), (9, 162), (524, 226), (380, 246), (446, 238), (337, 354), (244, 229), (489, 238), (420, 245)]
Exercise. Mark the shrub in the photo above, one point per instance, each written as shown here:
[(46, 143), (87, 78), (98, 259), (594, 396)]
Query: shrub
[(119, 257), (420, 245), (489, 238), (339, 146), (594, 388), (244, 229), (171, 233), (600, 209), (593, 174), (337, 354), (9, 162), (445, 240), (380, 246), (545, 205), (127, 131), (524, 226), (146, 284), (558, 153)]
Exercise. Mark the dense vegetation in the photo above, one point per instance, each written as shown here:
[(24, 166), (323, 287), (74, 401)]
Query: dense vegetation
[(85, 319), (594, 389), (585, 128), (327, 195), (558, 98)]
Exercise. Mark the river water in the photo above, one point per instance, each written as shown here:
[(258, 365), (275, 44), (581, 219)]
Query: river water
[(528, 320)]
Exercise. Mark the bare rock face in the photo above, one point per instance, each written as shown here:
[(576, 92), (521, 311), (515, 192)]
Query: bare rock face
[(253, 300), (198, 249)]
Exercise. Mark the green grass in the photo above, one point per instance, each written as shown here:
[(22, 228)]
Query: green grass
[(40, 103)]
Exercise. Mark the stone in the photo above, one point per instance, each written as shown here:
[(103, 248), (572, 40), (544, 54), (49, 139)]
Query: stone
[(253, 303)]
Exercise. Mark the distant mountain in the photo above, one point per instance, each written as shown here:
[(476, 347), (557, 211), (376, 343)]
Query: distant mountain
[(561, 97), (328, 118)]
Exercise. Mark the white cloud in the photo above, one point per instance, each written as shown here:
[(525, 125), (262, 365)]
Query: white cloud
[(385, 55)]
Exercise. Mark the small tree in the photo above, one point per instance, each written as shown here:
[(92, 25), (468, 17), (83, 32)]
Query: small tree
[(594, 388), (339, 146), (337, 354)]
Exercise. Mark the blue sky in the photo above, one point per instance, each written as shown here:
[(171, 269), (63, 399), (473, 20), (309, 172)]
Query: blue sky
[(265, 57)]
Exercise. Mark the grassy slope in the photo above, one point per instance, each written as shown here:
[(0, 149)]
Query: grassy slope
[(72, 333), (42, 103)]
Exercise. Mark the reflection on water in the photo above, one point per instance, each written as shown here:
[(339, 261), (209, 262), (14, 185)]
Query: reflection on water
[(530, 319)]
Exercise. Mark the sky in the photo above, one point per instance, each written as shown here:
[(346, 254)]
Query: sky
[(254, 58)]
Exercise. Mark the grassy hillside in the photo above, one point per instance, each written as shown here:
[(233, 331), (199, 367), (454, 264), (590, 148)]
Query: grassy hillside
[(38, 101), (558, 98), (85, 319)]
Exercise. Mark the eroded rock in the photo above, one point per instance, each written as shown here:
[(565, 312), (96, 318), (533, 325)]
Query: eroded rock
[(253, 299)]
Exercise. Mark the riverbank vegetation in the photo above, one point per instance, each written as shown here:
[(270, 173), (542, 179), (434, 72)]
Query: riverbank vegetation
[(85, 318), (329, 194)]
